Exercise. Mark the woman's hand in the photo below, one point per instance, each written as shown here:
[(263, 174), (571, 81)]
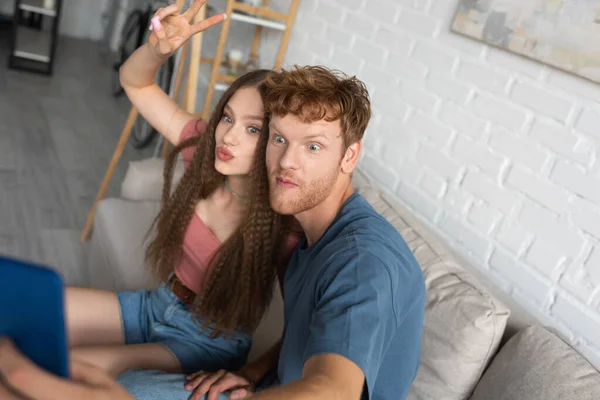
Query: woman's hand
[(170, 29), (213, 383), (21, 379)]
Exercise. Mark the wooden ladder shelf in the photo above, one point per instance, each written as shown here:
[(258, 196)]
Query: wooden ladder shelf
[(262, 17)]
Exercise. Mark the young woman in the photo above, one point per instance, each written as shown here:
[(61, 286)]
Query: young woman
[(217, 245)]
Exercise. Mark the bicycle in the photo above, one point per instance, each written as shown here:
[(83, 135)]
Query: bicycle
[(134, 33)]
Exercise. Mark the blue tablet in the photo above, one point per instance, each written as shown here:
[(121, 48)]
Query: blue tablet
[(32, 313)]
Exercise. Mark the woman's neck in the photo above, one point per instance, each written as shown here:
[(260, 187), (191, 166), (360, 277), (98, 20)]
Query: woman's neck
[(224, 195), (237, 186)]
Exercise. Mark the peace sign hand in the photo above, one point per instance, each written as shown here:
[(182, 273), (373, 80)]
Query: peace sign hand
[(170, 29)]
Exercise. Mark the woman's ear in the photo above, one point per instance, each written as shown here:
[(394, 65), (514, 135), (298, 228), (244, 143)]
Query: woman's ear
[(351, 157)]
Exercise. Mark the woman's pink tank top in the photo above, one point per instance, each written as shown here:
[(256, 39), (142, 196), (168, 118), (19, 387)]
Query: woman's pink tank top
[(199, 243)]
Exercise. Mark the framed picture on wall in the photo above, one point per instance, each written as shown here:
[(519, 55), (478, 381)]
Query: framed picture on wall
[(561, 33)]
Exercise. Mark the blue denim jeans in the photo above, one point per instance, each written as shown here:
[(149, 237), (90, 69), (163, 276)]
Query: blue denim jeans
[(159, 316), (156, 385)]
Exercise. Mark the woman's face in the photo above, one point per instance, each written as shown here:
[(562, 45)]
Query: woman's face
[(238, 131)]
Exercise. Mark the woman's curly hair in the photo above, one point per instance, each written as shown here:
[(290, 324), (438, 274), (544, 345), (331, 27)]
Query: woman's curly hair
[(240, 283)]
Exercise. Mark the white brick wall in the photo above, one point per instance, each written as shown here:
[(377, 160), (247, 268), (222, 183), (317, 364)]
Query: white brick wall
[(477, 154), (483, 77), (442, 164), (589, 122), (428, 129), (557, 138), (462, 120), (514, 237), (483, 217), (518, 149), (575, 179), (499, 111), (541, 100), (499, 154), (434, 57), (447, 88), (552, 196)]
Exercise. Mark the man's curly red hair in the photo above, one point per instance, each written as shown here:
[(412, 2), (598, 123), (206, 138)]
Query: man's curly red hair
[(313, 93)]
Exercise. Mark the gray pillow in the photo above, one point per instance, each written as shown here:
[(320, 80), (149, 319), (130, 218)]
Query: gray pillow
[(536, 364)]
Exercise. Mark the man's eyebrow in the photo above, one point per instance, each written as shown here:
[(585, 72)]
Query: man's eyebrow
[(318, 136), (273, 127), (255, 117)]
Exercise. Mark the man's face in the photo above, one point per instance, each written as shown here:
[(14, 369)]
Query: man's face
[(303, 162)]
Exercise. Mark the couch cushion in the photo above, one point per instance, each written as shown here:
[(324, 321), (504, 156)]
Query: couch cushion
[(463, 324), (144, 179), (536, 364), (270, 329), (116, 257)]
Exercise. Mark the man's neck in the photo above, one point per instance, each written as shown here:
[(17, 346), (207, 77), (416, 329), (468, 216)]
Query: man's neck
[(315, 221)]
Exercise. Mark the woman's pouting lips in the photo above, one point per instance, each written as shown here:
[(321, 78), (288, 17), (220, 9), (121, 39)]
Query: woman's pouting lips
[(224, 154)]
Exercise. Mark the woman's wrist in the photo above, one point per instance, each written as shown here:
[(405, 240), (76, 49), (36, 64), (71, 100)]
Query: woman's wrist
[(141, 67), (160, 59)]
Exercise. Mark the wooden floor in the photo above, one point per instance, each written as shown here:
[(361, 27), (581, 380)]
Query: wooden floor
[(57, 135)]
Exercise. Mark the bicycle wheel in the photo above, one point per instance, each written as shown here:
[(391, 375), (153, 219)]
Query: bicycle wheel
[(165, 74), (142, 132), (115, 83), (130, 41)]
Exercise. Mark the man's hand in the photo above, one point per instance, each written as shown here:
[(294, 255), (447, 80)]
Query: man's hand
[(213, 383), (324, 377), (21, 378)]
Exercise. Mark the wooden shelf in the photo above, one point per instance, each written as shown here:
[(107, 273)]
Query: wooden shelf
[(261, 17), (250, 19), (260, 11), (37, 6), (226, 78), (221, 87)]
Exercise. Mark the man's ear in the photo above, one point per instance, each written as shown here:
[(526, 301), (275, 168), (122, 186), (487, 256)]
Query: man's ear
[(351, 157)]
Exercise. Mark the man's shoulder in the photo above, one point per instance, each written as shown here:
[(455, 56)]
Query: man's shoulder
[(362, 229), (363, 236), (359, 215), (364, 239), (375, 264)]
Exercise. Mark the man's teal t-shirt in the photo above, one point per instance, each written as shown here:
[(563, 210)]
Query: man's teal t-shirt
[(357, 292)]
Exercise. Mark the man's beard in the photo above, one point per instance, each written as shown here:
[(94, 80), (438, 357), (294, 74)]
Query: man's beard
[(305, 198)]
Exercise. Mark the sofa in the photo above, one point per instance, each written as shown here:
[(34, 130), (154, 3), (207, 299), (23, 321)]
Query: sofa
[(478, 343)]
